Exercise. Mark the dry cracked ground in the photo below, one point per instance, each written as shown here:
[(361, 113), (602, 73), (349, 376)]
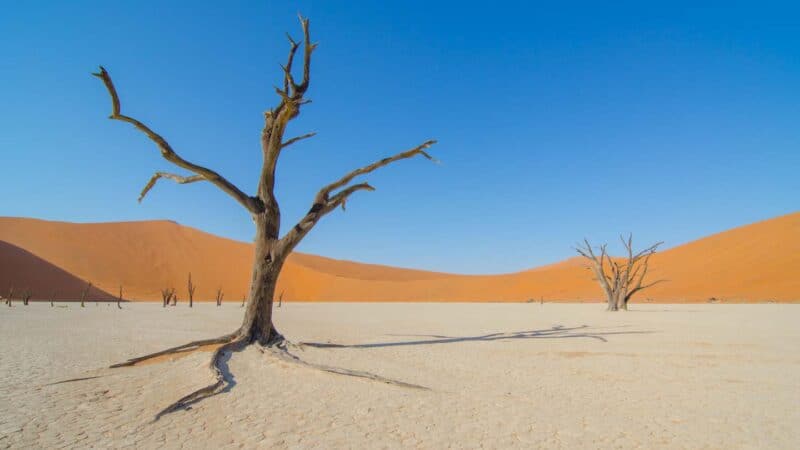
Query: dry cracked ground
[(499, 376)]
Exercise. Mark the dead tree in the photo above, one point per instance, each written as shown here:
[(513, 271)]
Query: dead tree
[(119, 299), (166, 296), (219, 296), (10, 295), (174, 297), (280, 300), (52, 299), (85, 293), (271, 248), (243, 301), (620, 278), (26, 297), (191, 287)]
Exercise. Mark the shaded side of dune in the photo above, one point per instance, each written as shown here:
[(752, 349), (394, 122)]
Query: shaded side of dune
[(22, 270)]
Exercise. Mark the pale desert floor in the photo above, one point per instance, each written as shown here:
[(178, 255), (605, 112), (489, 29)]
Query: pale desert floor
[(500, 375)]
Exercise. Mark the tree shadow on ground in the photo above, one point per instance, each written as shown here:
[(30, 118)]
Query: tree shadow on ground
[(556, 332)]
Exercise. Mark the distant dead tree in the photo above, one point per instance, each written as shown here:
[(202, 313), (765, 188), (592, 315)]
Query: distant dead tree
[(280, 300), (219, 296), (119, 299), (174, 297), (243, 301), (10, 296), (52, 298), (85, 293), (191, 287), (620, 278), (271, 249), (26, 296), (166, 296)]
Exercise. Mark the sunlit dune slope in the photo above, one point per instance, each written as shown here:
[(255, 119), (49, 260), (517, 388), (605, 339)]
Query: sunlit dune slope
[(757, 262)]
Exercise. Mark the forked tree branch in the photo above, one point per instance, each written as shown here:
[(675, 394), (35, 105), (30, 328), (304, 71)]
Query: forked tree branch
[(250, 203), (418, 150), (277, 118), (326, 200)]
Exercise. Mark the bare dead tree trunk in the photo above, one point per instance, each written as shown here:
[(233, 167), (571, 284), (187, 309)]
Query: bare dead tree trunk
[(10, 296), (52, 299), (166, 296), (243, 301), (84, 293), (26, 297), (191, 287), (271, 249), (119, 299), (620, 279), (219, 296), (280, 300)]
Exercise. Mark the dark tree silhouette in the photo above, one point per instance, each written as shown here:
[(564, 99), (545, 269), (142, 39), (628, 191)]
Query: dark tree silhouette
[(166, 296), (191, 288), (26, 296), (219, 296), (85, 293)]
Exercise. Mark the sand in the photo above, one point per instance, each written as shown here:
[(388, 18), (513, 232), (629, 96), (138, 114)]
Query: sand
[(500, 376), (752, 263)]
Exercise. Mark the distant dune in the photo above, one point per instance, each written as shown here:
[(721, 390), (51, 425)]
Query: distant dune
[(754, 263)]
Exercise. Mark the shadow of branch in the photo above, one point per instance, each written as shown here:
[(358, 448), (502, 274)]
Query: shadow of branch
[(556, 332)]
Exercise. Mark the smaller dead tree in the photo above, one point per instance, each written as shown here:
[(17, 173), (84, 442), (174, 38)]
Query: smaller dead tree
[(243, 301), (85, 293), (10, 296), (280, 300), (119, 299), (620, 278), (166, 296), (219, 296), (174, 297), (191, 288), (26, 297), (52, 299)]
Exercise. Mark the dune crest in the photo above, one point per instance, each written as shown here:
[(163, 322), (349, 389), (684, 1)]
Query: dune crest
[(754, 263)]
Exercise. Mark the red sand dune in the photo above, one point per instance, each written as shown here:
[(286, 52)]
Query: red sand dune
[(757, 262)]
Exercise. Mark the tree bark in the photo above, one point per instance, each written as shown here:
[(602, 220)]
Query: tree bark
[(269, 258)]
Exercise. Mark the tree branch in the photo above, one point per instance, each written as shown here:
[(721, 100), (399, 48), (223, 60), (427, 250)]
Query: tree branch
[(250, 203), (308, 48), (288, 81), (325, 203), (418, 150), (298, 138), (176, 178)]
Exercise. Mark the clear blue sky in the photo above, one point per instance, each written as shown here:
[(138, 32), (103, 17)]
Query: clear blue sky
[(554, 121)]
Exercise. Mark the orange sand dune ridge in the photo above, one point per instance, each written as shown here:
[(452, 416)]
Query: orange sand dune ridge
[(755, 263)]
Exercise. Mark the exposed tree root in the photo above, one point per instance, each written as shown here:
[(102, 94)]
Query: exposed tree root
[(281, 352), (276, 345), (181, 348), (212, 389)]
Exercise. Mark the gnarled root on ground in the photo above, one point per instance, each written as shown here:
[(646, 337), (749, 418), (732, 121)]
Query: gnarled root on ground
[(276, 346)]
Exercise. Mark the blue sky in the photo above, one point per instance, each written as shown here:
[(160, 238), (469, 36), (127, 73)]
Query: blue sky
[(555, 121)]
